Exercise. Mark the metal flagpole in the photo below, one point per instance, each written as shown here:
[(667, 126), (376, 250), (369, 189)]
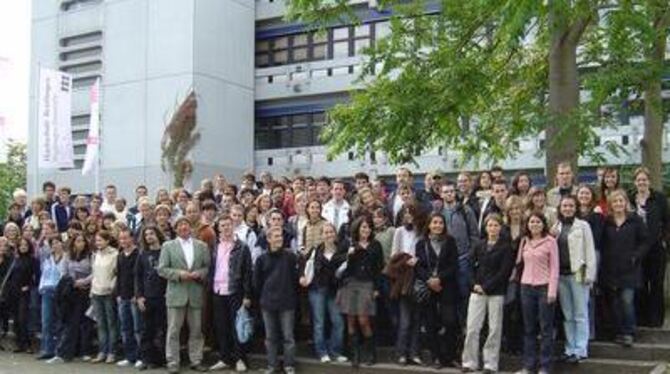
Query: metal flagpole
[(36, 128)]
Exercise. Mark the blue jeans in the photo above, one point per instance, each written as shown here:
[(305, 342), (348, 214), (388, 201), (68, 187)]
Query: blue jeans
[(409, 323), (537, 311), (621, 302), (574, 297), (131, 328), (50, 323), (324, 306), (105, 314), (464, 287), (279, 330)]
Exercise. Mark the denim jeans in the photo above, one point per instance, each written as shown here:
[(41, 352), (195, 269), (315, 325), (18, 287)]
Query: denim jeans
[(537, 311), (50, 323), (407, 343), (621, 302), (574, 297), (278, 325), (324, 307), (130, 322), (105, 314), (464, 286)]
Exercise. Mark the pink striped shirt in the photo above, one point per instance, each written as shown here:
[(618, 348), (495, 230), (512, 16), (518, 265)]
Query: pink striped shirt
[(540, 264), (221, 268)]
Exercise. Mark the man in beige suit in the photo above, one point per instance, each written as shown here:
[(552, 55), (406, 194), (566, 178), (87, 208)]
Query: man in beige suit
[(184, 262)]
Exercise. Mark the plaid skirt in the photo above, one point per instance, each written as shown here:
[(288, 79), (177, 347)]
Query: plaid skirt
[(357, 298)]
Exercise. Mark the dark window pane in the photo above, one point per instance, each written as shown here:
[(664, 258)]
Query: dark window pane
[(302, 136)]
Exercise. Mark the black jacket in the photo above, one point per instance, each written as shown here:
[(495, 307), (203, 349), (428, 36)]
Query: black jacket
[(239, 269), (623, 248), (597, 223), (365, 264), (492, 268), (657, 216), (445, 267), (125, 274), (148, 283), (276, 280), (24, 274), (324, 269)]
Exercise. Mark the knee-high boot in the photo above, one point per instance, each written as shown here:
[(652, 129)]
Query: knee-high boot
[(355, 350), (370, 352)]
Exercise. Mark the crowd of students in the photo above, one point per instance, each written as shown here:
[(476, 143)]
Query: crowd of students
[(352, 261)]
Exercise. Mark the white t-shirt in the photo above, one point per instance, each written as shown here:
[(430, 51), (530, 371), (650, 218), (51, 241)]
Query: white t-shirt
[(187, 248)]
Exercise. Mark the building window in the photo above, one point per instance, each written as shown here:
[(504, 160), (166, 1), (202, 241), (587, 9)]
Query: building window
[(337, 42), (294, 130)]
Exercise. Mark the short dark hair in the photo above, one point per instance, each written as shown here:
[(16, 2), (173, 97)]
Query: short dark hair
[(362, 175), (209, 205), (324, 179), (48, 184)]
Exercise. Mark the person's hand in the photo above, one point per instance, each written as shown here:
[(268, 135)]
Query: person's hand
[(25, 288), (412, 261), (351, 250), (185, 275), (196, 276), (551, 299), (140, 304), (435, 284), (478, 289), (303, 282), (118, 299), (375, 294), (78, 283), (246, 302)]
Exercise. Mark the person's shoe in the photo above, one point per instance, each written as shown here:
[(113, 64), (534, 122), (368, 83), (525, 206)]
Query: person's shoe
[(341, 359), (289, 370), (618, 339), (55, 360), (110, 359), (543, 371), (44, 356), (325, 359), (138, 363), (489, 371), (199, 367), (523, 371), (86, 358), (19, 350), (416, 360), (627, 341), (173, 369), (218, 366), (573, 359), (402, 360), (123, 363), (466, 369), (100, 358), (142, 366), (437, 364), (240, 366)]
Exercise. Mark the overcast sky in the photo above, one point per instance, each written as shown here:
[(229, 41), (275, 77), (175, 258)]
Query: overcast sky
[(15, 66)]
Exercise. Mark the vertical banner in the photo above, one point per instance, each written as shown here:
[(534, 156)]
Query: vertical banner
[(54, 120), (93, 139)]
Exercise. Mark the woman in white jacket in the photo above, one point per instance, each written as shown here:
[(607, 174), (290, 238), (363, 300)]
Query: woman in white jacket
[(577, 259)]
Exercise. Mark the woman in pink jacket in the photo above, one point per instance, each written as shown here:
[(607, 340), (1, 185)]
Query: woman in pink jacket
[(538, 254)]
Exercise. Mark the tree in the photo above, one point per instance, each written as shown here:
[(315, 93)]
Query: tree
[(179, 138), (511, 66), (629, 49), (12, 175)]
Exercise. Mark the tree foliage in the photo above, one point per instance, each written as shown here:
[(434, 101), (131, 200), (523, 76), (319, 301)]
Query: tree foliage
[(179, 139), (475, 77), (12, 174)]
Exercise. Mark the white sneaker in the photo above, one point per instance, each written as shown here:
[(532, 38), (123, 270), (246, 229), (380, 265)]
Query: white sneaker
[(240, 366), (138, 364), (110, 359), (55, 360), (86, 358), (218, 366), (123, 363), (341, 359), (325, 359)]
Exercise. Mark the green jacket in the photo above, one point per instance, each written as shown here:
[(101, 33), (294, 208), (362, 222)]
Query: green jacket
[(182, 293)]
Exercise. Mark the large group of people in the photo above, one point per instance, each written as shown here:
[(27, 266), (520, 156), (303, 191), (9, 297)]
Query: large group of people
[(352, 262)]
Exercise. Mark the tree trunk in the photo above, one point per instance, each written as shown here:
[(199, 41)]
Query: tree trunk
[(652, 141), (563, 92)]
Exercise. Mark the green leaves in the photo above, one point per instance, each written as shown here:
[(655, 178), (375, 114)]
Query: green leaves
[(12, 175)]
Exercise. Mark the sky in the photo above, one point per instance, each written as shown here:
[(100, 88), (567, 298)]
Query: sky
[(14, 67)]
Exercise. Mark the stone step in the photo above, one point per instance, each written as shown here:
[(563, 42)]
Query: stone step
[(590, 366), (653, 335)]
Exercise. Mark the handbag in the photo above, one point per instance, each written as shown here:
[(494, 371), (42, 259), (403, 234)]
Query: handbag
[(244, 325), (420, 290), (514, 285)]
